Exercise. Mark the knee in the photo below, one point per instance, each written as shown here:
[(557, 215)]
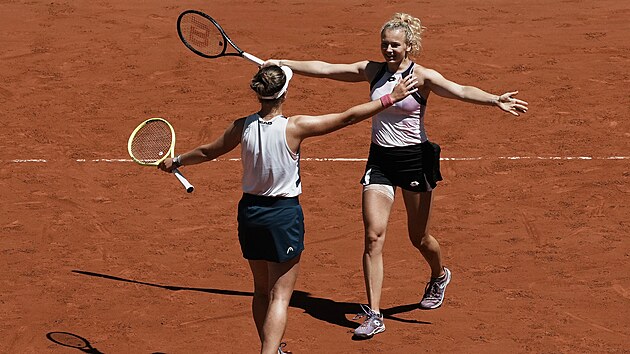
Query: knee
[(374, 240), (261, 295), (281, 298), (422, 241)]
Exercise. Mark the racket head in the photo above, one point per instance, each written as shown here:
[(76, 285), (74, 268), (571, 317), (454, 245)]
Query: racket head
[(152, 142), (203, 35)]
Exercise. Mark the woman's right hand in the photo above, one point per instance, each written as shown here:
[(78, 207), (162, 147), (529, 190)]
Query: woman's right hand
[(167, 165), (404, 88)]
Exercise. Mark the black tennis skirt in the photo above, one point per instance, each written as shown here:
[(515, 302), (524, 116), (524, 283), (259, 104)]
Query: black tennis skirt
[(415, 168)]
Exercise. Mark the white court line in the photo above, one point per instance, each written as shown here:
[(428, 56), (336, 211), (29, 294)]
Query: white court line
[(349, 159)]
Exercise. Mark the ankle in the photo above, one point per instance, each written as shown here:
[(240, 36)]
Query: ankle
[(441, 275)]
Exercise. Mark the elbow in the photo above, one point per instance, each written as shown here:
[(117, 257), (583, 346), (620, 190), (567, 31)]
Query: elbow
[(348, 121), (204, 154)]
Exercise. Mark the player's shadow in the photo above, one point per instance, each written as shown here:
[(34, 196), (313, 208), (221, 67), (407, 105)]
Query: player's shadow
[(323, 309), (338, 312)]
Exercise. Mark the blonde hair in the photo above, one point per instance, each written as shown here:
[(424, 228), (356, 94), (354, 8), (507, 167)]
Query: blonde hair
[(413, 30), (268, 81)]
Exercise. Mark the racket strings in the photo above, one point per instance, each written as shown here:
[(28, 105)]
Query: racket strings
[(202, 34), (152, 142)]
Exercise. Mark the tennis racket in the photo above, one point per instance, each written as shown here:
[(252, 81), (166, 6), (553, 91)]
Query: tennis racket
[(205, 37), (152, 142)]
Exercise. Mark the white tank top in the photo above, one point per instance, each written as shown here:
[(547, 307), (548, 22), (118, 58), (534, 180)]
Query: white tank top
[(270, 168), (403, 123)]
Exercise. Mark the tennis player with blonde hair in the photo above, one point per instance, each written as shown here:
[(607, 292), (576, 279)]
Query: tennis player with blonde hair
[(401, 154), (270, 218)]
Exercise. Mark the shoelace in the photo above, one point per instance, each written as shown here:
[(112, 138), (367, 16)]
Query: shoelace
[(432, 289), (282, 345), (367, 312)]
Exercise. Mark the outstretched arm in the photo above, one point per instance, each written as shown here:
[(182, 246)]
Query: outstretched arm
[(225, 143), (354, 72), (449, 89), (302, 127)]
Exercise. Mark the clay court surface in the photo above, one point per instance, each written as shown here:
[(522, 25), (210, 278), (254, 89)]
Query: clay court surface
[(120, 255)]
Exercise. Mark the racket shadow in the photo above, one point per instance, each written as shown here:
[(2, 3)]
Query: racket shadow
[(323, 309), (168, 287), (72, 340)]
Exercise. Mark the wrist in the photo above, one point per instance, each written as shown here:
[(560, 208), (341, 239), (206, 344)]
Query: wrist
[(497, 100), (177, 161), (387, 100)]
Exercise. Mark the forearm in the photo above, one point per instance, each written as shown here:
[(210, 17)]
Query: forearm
[(320, 125), (341, 72), (230, 139), (366, 110), (312, 68), (478, 96), (206, 152), (362, 112), (196, 156)]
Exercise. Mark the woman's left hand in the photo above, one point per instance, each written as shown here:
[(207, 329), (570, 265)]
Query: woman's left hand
[(512, 105)]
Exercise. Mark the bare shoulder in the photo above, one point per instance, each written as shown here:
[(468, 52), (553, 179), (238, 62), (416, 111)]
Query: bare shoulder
[(298, 126), (239, 123), (303, 123), (372, 68), (293, 120), (424, 73), (237, 126)]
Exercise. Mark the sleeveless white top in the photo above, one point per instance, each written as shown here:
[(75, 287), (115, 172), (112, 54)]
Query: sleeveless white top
[(270, 168), (403, 123)]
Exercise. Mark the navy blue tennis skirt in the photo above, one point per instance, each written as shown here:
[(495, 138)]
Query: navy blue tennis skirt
[(270, 228)]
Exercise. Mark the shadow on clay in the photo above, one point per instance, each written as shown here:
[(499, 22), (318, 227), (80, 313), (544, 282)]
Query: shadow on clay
[(323, 309)]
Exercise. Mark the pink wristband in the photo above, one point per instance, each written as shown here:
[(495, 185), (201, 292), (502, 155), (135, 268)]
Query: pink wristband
[(387, 101)]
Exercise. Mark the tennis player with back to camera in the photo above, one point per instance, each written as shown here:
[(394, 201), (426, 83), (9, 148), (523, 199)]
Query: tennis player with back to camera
[(270, 218), (401, 154)]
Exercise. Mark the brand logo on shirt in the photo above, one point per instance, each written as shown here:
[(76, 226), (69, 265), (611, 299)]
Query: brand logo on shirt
[(264, 122), (290, 249), (393, 78)]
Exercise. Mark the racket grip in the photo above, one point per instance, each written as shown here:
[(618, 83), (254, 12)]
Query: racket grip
[(252, 58), (189, 187)]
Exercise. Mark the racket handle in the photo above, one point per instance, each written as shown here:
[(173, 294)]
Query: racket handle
[(189, 187), (252, 58)]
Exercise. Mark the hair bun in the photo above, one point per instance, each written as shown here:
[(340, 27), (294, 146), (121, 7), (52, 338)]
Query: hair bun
[(268, 81)]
